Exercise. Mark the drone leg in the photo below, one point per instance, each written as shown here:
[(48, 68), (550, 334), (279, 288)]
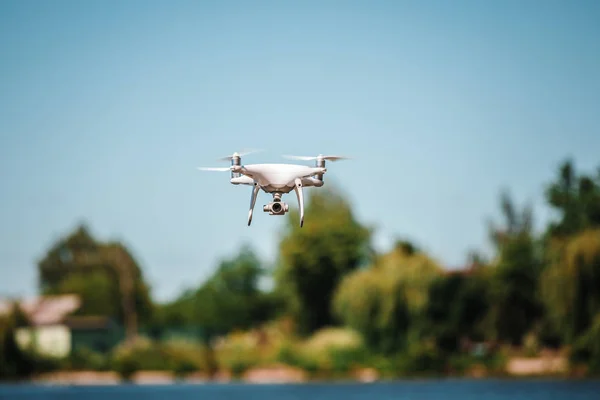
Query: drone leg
[(255, 190), (300, 195)]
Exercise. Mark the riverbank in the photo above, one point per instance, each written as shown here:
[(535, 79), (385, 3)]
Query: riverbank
[(516, 367)]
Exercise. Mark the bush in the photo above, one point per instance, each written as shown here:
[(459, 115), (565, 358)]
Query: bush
[(344, 360), (177, 356), (185, 357), (240, 351), (422, 358), (87, 359), (329, 351), (293, 355)]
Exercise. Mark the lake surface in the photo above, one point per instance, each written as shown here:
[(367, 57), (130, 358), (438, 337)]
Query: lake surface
[(405, 390)]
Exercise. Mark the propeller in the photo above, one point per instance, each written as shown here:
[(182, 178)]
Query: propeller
[(320, 156), (242, 153), (214, 168)]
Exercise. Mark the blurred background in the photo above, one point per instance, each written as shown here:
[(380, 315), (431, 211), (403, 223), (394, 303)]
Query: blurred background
[(461, 239)]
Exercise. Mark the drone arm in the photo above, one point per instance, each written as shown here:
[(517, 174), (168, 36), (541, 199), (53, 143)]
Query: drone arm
[(242, 180), (313, 171), (310, 181), (255, 190), (242, 170), (300, 195)]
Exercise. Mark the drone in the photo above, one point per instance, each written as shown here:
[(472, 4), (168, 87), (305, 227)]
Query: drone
[(276, 179)]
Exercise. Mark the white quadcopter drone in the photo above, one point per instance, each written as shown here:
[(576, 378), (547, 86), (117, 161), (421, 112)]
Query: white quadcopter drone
[(277, 179)]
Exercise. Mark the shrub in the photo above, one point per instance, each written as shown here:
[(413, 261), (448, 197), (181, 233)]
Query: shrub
[(180, 357), (84, 358), (328, 351)]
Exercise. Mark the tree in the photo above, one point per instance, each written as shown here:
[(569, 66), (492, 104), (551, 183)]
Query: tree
[(458, 305), (374, 303), (577, 200), (177, 313), (571, 284), (415, 268), (104, 274), (231, 299), (314, 259), (385, 301), (516, 276)]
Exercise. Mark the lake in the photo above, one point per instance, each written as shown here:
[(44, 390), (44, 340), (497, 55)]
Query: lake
[(403, 390)]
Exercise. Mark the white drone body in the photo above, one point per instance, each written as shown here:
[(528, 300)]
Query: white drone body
[(276, 179)]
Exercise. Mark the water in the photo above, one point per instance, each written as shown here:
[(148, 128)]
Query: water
[(410, 390)]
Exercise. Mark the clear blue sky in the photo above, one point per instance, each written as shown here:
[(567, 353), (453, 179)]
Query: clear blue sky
[(107, 107)]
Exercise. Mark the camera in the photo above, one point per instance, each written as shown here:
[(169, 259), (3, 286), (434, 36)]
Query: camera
[(276, 208)]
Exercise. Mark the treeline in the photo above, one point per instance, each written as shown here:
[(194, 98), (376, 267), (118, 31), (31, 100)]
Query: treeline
[(337, 304)]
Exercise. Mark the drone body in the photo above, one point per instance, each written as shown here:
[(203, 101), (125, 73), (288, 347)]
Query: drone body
[(277, 179)]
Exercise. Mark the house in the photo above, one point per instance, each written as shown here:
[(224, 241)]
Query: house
[(52, 329), (97, 333)]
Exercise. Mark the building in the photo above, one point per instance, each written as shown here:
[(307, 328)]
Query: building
[(52, 329)]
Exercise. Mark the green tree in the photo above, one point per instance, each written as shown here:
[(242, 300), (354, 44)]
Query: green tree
[(407, 263), (515, 280), (458, 305), (374, 303), (177, 313), (314, 259), (577, 200), (571, 284), (384, 301), (231, 299), (99, 294), (104, 274)]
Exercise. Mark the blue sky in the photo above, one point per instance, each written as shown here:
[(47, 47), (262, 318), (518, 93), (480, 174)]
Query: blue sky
[(107, 108)]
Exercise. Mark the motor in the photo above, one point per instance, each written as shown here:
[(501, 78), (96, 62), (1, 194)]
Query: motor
[(276, 208)]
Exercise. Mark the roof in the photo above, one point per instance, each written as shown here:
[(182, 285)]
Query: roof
[(45, 310), (91, 322)]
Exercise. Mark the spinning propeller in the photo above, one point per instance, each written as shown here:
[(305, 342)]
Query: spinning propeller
[(239, 154), (319, 157), (214, 168), (234, 158)]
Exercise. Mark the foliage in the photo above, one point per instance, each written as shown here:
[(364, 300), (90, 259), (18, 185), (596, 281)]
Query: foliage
[(407, 264), (329, 352), (514, 290), (587, 346), (337, 306), (143, 354), (576, 198), (229, 300), (374, 303), (239, 351), (383, 300), (570, 284), (457, 308), (96, 271), (316, 257), (87, 359)]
